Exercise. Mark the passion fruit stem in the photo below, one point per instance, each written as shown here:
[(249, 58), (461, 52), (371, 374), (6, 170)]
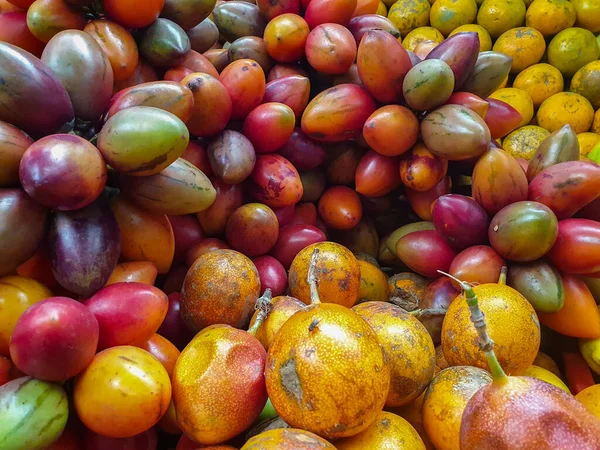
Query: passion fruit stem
[(478, 319), (503, 272), (263, 305), (312, 278), (428, 312)]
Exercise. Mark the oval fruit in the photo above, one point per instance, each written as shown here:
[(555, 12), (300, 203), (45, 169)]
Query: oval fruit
[(212, 106), (490, 70), (425, 252), (292, 239), (13, 143), (276, 181), (244, 79), (460, 52), (164, 44), (577, 247), (539, 283), (460, 220), (428, 84), (561, 146)]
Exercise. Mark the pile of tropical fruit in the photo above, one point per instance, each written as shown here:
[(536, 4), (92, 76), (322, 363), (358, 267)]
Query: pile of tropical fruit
[(299, 224)]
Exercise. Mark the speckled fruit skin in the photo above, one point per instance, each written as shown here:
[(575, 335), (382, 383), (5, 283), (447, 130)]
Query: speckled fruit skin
[(252, 229), (408, 348), (511, 322), (533, 414), (276, 181), (287, 439), (221, 287), (337, 270), (282, 308), (315, 349), (219, 384), (445, 401)]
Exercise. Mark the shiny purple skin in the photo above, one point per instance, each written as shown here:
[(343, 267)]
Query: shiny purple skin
[(302, 151), (54, 339), (84, 248), (272, 275), (84, 70), (414, 59), (23, 224), (460, 220), (438, 296), (359, 25), (172, 327), (292, 239), (31, 96), (460, 52)]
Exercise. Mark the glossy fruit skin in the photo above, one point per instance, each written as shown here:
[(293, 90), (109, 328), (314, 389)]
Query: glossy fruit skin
[(144, 236), (276, 181), (25, 77), (566, 187), (208, 371), (438, 296), (135, 271), (13, 144), (460, 52), (221, 287), (410, 373), (163, 350), (511, 323), (46, 18), (143, 441), (14, 30), (269, 126), (187, 13), (287, 439), (361, 24), (421, 170), (167, 95), (342, 163), (291, 90), (382, 65), (422, 201), (55, 329), (540, 403), (285, 37), (206, 245), (34, 413), (479, 264), (232, 156), (460, 220), (117, 44), (177, 190), (150, 148), (84, 248), (16, 295), (207, 90), (523, 231), (203, 36), (87, 77), (269, 9), (338, 272), (540, 283), (340, 208), (143, 73), (508, 186), (501, 118), (133, 15), (321, 119), (303, 152), (425, 252), (470, 135), (392, 239), (239, 19), (308, 375), (196, 154), (560, 146), (187, 232), (387, 121), (323, 11), (471, 101), (133, 371), (272, 275), (229, 198), (252, 229), (128, 313), (251, 47), (164, 44), (377, 175), (576, 248), (330, 49), (63, 172), (23, 226), (488, 74), (172, 327), (244, 79), (428, 84), (292, 239)]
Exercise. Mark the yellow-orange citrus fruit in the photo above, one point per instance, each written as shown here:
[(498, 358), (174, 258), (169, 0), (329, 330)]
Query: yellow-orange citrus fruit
[(586, 82), (485, 41), (550, 16), (518, 99), (544, 361), (446, 15), (540, 81), (571, 49), (498, 16), (588, 14), (373, 283), (407, 15), (525, 45), (590, 397), (587, 141), (524, 141), (566, 108), (421, 34), (545, 375)]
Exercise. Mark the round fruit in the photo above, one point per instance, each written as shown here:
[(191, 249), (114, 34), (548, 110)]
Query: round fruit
[(340, 207), (588, 15), (408, 347), (330, 49), (572, 49), (338, 272), (285, 36), (566, 108), (446, 15), (420, 35), (545, 375), (499, 16), (387, 121), (587, 83), (221, 287), (590, 397), (428, 84), (407, 15), (511, 323), (485, 41), (252, 229), (540, 81), (286, 439), (282, 308), (123, 392), (550, 16), (524, 141), (525, 45)]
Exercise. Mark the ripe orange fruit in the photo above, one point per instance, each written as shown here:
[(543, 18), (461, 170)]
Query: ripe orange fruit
[(590, 397), (421, 34), (540, 81), (446, 15), (588, 14), (373, 283), (524, 141), (407, 15), (586, 82), (512, 324), (550, 16), (282, 308), (571, 49), (566, 108), (518, 99), (485, 41), (498, 16), (287, 439), (525, 45)]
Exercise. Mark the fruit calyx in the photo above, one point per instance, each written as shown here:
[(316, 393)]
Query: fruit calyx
[(264, 306), (478, 319)]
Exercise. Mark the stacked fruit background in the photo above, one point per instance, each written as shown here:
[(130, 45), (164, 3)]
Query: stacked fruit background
[(263, 224)]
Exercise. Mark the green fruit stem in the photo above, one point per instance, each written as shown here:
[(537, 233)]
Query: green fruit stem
[(478, 319), (263, 305), (312, 278), (503, 272)]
